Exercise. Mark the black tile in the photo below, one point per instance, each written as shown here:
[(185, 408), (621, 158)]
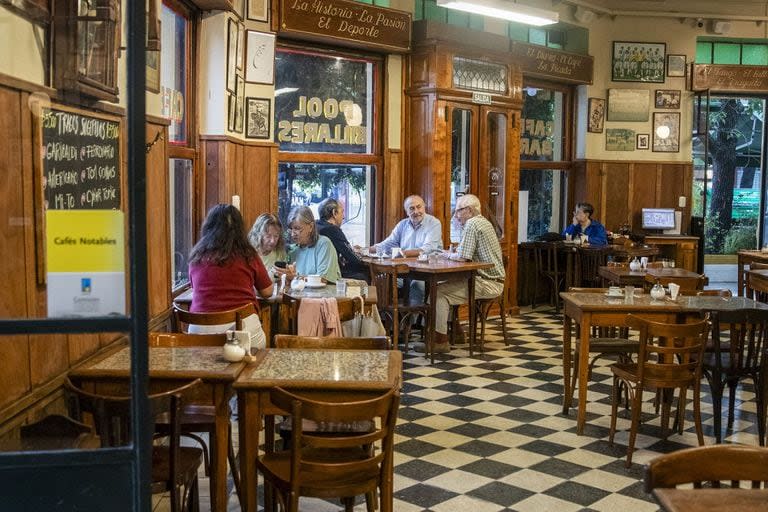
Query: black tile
[(545, 448), (472, 430), (419, 470), (423, 495), (577, 493), (561, 468), (490, 468), (500, 493), (480, 448)]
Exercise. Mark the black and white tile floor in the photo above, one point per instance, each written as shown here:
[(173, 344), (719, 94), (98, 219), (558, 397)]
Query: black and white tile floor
[(487, 434)]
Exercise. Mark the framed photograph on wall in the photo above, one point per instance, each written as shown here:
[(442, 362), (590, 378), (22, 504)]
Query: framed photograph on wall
[(240, 46), (231, 55), (643, 141), (231, 106), (667, 98), (676, 65), (619, 139), (633, 105), (153, 71), (638, 62), (238, 7), (257, 114), (239, 98), (666, 132), (258, 10), (596, 115), (260, 58)]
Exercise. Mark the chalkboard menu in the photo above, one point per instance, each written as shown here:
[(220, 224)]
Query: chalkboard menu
[(81, 161)]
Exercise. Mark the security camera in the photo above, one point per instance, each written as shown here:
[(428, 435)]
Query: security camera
[(699, 22)]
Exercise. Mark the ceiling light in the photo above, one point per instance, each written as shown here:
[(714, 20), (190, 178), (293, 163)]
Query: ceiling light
[(503, 9)]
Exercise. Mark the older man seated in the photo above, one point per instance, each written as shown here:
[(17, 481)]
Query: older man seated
[(479, 242)]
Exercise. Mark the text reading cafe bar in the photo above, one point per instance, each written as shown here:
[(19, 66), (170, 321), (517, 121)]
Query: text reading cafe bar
[(396, 254)]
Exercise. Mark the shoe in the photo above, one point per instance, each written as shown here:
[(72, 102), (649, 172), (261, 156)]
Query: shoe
[(440, 345)]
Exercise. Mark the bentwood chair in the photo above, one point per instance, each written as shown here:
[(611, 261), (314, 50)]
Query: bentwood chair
[(483, 308), (397, 312), (669, 358), (231, 316), (729, 464), (738, 353), (344, 465), (318, 342), (589, 260), (550, 269), (195, 418), (174, 467)]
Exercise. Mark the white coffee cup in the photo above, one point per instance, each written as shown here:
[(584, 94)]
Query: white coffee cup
[(674, 289), (314, 280)]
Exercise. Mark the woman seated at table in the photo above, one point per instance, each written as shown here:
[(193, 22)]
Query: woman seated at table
[(266, 236), (226, 272), (331, 213), (584, 224), (313, 253)]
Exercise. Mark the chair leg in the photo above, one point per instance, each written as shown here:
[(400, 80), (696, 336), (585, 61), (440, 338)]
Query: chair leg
[(349, 503), (697, 413), (614, 409), (636, 407), (234, 466), (503, 306)]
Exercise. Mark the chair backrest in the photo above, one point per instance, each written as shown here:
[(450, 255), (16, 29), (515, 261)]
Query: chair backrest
[(728, 463), (348, 308), (182, 339), (686, 283), (747, 332), (714, 292), (654, 264), (384, 277), (756, 265), (581, 289), (670, 354), (590, 259), (236, 316), (377, 458), (546, 257), (374, 343)]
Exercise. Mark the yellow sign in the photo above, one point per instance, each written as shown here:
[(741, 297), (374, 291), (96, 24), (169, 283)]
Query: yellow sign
[(85, 241)]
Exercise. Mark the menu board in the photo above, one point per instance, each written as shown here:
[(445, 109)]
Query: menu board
[(81, 161)]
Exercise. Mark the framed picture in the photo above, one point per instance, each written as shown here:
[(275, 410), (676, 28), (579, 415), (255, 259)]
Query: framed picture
[(153, 71), (632, 105), (258, 10), (619, 139), (667, 98), (231, 55), (239, 97), (643, 141), (676, 65), (231, 106), (240, 44), (260, 58), (596, 115), (257, 114), (638, 62), (666, 132), (238, 7)]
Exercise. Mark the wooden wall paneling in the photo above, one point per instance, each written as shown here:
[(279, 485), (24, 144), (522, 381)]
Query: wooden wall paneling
[(643, 193), (158, 222), (15, 377), (258, 177), (81, 346), (440, 149), (615, 210), (214, 151), (513, 191), (421, 150), (675, 180), (393, 181)]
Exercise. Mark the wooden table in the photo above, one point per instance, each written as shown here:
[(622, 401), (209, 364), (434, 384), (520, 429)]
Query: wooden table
[(443, 270), (712, 500), (747, 258), (330, 375), (596, 309), (170, 368), (622, 276), (758, 280)]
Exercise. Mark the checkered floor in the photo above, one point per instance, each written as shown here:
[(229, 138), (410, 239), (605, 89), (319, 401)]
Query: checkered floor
[(486, 433)]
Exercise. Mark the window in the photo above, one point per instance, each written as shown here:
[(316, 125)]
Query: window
[(181, 185), (726, 52), (173, 72)]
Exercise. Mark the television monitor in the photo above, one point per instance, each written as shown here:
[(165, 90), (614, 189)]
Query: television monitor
[(658, 218)]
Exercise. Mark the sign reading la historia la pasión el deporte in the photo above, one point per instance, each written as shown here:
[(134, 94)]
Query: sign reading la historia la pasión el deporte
[(536, 60), (345, 21), (730, 78)]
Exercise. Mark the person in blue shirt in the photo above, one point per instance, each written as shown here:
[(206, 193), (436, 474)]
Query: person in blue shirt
[(584, 224)]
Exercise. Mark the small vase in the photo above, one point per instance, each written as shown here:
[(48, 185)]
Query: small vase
[(657, 292), (635, 265)]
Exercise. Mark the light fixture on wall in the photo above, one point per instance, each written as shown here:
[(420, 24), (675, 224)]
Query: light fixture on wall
[(505, 10)]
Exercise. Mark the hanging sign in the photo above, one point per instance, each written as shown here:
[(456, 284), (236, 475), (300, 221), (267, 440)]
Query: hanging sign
[(540, 61)]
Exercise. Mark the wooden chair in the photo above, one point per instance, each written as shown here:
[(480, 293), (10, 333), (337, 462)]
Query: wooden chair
[(714, 292), (548, 268), (669, 358), (730, 464), (291, 341), (57, 432), (589, 259), (686, 283), (184, 318), (742, 355), (289, 313), (195, 418), (344, 465), (606, 342), (396, 312), (483, 309), (173, 466)]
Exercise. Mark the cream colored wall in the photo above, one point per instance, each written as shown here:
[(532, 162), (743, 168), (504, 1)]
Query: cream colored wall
[(22, 48), (394, 92), (212, 75)]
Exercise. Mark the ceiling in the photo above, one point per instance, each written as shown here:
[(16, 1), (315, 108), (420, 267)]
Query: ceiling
[(736, 9)]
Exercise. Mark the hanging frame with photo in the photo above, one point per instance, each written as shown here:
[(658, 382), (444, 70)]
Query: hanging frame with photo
[(666, 132), (257, 115), (258, 10), (638, 62), (676, 65), (260, 58), (643, 141), (667, 98), (231, 55), (596, 115)]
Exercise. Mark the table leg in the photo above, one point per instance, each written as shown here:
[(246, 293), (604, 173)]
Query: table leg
[(249, 424), (472, 313), (567, 392), (219, 448), (583, 372), (430, 347), (740, 276)]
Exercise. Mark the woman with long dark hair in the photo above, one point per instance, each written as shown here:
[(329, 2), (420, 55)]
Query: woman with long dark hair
[(226, 272)]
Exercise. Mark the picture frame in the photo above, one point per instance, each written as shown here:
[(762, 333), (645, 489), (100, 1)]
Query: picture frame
[(260, 58), (667, 98), (240, 45), (257, 116), (619, 139), (676, 65), (638, 62), (258, 10), (153, 71), (239, 98), (643, 141), (231, 55), (629, 105), (238, 7), (596, 119), (666, 132), (231, 106)]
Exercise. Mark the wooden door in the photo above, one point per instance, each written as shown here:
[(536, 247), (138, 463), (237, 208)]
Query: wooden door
[(462, 134)]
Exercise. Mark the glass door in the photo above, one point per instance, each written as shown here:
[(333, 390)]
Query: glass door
[(492, 180), (728, 173), (463, 123)]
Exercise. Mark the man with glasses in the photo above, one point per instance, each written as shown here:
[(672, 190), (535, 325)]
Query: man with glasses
[(479, 242), (583, 224), (418, 233)]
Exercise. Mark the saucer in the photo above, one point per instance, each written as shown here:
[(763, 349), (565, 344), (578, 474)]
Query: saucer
[(320, 285)]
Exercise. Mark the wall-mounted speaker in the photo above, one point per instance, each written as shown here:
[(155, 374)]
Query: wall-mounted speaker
[(721, 27)]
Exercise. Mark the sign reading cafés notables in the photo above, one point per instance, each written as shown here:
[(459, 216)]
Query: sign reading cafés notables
[(544, 62), (343, 20)]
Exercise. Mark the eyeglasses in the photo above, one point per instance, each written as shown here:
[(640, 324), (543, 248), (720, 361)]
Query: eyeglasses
[(457, 210), (299, 229)]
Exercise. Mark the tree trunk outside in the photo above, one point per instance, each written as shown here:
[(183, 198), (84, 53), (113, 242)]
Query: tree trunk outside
[(723, 146)]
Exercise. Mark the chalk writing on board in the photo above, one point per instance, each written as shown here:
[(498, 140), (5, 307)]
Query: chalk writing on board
[(81, 161)]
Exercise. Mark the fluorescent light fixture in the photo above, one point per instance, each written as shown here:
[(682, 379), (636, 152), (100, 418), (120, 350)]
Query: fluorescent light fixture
[(503, 9)]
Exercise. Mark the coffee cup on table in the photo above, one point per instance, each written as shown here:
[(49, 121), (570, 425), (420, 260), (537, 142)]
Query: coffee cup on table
[(674, 290), (314, 280)]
